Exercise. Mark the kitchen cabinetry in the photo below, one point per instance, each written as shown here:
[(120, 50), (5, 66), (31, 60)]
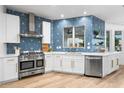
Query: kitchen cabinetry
[(101, 65), (2, 28), (46, 28), (67, 64), (9, 28), (12, 29), (64, 63), (1, 69), (57, 63), (73, 64), (78, 65), (10, 68), (114, 62), (48, 63)]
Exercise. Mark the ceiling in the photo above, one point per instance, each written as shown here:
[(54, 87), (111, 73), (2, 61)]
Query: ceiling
[(110, 13)]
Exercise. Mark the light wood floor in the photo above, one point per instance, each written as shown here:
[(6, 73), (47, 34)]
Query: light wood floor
[(62, 80)]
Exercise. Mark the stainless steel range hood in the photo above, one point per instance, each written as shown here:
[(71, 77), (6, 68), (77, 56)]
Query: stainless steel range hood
[(31, 23), (31, 32)]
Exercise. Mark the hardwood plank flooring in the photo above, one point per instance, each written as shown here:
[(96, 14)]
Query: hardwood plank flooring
[(63, 80)]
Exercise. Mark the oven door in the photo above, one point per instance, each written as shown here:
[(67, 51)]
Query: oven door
[(25, 65), (39, 63)]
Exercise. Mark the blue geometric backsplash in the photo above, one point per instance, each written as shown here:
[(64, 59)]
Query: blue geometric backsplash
[(27, 44), (90, 23)]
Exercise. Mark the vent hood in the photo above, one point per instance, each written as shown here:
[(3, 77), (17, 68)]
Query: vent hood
[(31, 32), (31, 23)]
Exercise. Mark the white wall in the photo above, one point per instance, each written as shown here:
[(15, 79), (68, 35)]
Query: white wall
[(109, 26)]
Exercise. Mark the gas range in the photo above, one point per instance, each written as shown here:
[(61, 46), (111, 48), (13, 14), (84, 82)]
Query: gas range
[(31, 55), (31, 63)]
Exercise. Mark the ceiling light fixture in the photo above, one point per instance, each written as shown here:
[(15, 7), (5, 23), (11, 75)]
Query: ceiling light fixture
[(62, 15), (84, 12)]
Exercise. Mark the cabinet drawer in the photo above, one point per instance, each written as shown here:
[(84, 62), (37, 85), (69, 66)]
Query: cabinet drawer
[(10, 59)]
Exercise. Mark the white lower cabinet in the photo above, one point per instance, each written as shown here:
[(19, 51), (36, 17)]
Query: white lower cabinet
[(64, 63), (1, 69), (110, 64), (10, 71), (57, 62), (73, 64), (48, 63), (114, 62), (78, 65), (67, 64)]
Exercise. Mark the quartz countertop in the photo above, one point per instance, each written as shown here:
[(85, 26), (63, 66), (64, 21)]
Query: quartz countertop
[(84, 53), (9, 55)]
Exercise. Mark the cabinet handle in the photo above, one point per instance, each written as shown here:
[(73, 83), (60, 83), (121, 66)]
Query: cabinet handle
[(17, 37), (117, 61), (61, 63), (16, 67), (112, 63), (10, 60), (72, 64)]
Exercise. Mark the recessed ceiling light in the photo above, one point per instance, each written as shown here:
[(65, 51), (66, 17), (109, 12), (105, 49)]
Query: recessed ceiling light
[(62, 15), (84, 12)]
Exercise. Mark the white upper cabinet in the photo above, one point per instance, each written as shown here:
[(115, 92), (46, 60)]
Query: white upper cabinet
[(2, 28), (46, 30), (12, 29), (9, 28)]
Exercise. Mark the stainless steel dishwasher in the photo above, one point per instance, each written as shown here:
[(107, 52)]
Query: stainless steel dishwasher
[(93, 66)]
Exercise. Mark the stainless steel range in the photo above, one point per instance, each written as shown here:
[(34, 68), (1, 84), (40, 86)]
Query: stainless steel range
[(31, 63)]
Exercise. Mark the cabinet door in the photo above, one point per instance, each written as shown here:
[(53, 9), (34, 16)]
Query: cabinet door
[(46, 32), (48, 63), (114, 62), (12, 29), (67, 64), (2, 27), (10, 68), (1, 70), (57, 63), (78, 65)]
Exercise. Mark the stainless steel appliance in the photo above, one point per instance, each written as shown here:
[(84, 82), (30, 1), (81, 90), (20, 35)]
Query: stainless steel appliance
[(93, 66), (31, 63)]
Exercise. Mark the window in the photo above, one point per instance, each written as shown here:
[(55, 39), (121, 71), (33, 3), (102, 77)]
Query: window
[(118, 38), (74, 37), (108, 40)]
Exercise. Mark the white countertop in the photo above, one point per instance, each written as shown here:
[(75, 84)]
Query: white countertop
[(83, 53), (9, 55)]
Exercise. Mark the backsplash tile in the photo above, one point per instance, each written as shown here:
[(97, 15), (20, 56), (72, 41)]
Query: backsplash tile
[(90, 22)]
